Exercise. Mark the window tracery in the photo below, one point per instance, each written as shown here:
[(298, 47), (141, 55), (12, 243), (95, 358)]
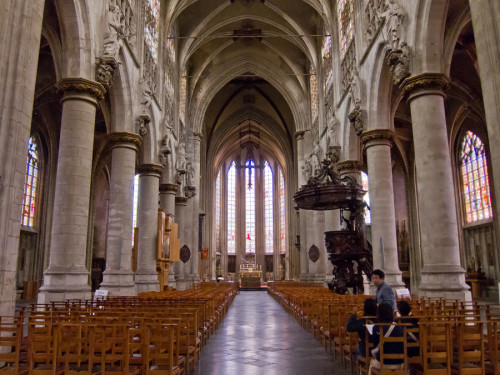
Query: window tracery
[(268, 209), (326, 53), (282, 214), (366, 198), (218, 208), (345, 24), (31, 185), (314, 94), (152, 26), (250, 207), (231, 209)]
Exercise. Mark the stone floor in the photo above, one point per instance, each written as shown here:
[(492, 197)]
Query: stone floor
[(259, 337)]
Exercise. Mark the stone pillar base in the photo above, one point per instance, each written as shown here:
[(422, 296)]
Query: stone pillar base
[(394, 278), (119, 283), (62, 283), (172, 283), (147, 282), (442, 280), (182, 284)]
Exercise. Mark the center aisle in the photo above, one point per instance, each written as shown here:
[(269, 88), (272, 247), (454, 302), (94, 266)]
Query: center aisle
[(258, 337)]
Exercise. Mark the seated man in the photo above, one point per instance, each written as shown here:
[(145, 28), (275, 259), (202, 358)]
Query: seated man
[(404, 309), (385, 314), (359, 325)]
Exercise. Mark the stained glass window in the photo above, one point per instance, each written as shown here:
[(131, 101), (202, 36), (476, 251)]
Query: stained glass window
[(282, 215), (135, 203), (31, 184), (218, 206), (152, 26), (231, 209), (476, 185), (345, 24), (326, 53), (314, 94), (170, 46), (268, 208), (182, 96), (250, 207), (364, 183)]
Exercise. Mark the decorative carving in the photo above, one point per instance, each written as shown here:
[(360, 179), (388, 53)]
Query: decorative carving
[(349, 166), (399, 61), (333, 154), (314, 253), (179, 178), (307, 168), (128, 22), (355, 87), (121, 138), (314, 159), (426, 81), (143, 122), (147, 96), (150, 169), (181, 200), (190, 171), (299, 136), (180, 163), (189, 191), (185, 254), (376, 135), (150, 71), (114, 31), (332, 131), (347, 64), (326, 175), (82, 85), (375, 13), (358, 119), (105, 71), (174, 188)]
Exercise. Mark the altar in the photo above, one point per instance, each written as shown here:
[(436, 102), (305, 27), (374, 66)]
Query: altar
[(250, 278)]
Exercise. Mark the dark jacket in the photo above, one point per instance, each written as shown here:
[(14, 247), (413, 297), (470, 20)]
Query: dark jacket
[(389, 347), (413, 351), (359, 325)]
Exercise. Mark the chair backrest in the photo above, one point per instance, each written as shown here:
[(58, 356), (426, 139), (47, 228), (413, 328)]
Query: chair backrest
[(393, 341), (436, 347)]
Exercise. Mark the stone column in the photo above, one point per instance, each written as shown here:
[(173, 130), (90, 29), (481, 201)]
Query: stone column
[(20, 34), (303, 214), (167, 202), (378, 145), (118, 277), (67, 277), (442, 274), (180, 216), (195, 205), (167, 197), (146, 276)]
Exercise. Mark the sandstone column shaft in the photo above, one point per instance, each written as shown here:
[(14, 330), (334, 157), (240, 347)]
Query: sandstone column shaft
[(118, 276), (384, 241), (167, 202), (67, 276), (146, 276), (180, 217), (303, 214), (20, 34), (442, 274)]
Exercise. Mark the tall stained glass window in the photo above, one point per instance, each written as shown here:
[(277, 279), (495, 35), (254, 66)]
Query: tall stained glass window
[(364, 183), (345, 23), (182, 95), (218, 206), (231, 209), (152, 26), (135, 204), (268, 208), (31, 184), (326, 53), (170, 46), (282, 215), (314, 94), (476, 185), (250, 207)]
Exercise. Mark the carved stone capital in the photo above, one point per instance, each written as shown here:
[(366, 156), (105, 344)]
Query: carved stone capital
[(105, 70), (143, 121), (347, 166), (436, 83), (376, 136), (190, 191), (118, 139), (181, 201), (81, 86), (169, 188), (154, 169)]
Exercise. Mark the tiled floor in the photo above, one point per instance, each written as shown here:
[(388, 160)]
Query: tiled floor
[(259, 337)]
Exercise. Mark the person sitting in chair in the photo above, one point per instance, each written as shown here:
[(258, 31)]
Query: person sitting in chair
[(359, 325)]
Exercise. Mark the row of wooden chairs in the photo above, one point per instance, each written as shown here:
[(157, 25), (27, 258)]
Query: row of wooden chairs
[(156, 333), (453, 336)]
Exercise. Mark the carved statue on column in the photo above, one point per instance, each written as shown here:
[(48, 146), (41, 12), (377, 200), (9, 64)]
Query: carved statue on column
[(190, 174), (114, 31), (331, 131), (355, 87), (395, 16), (147, 95), (314, 159), (399, 61), (180, 163), (307, 168)]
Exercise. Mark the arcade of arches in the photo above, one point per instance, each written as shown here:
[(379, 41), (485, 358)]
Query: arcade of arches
[(218, 111)]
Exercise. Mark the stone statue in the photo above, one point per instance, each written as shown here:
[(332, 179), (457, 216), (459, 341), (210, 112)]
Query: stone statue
[(146, 96), (307, 168), (190, 174), (355, 87), (331, 132), (114, 32), (165, 151), (180, 163), (395, 16), (314, 160)]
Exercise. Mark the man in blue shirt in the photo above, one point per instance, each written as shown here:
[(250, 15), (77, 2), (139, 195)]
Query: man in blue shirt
[(384, 291)]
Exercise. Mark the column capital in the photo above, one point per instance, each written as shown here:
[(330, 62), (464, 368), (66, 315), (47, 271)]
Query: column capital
[(169, 188), (299, 136), (377, 136), (81, 86), (121, 139), (182, 201), (430, 83), (150, 169), (349, 166)]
